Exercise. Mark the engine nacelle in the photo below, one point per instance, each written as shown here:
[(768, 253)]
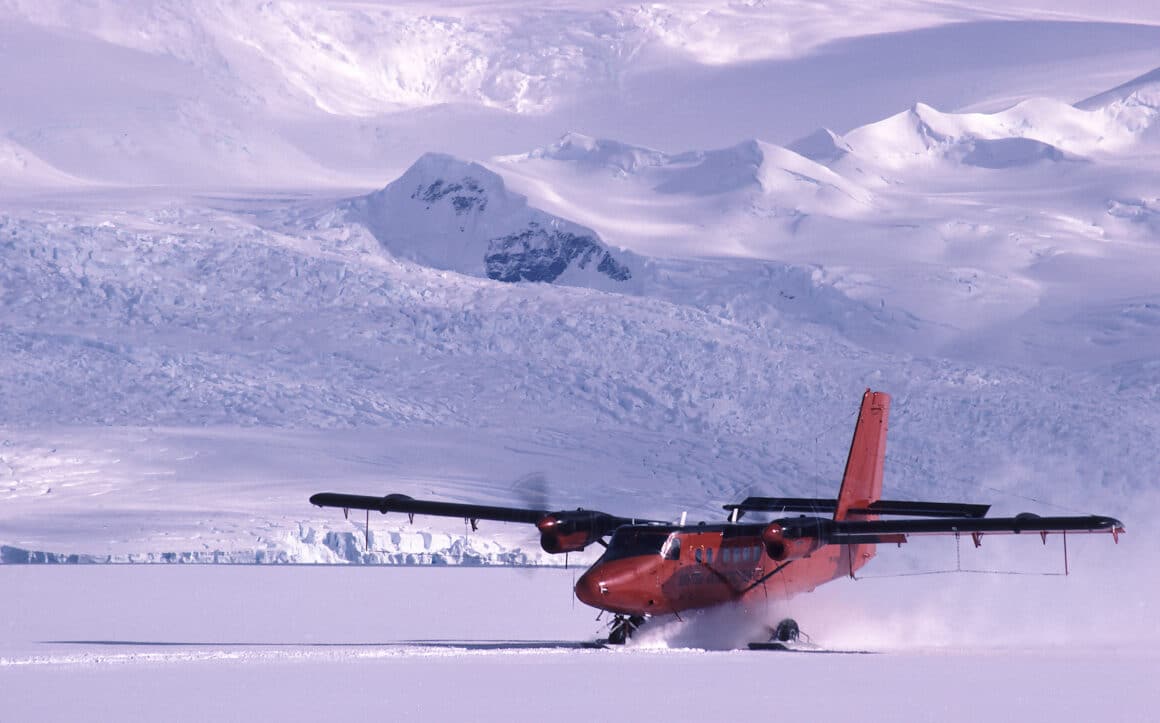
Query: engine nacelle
[(573, 530), (794, 539)]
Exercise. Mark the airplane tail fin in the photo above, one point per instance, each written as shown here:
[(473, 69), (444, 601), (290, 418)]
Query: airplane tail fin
[(862, 480)]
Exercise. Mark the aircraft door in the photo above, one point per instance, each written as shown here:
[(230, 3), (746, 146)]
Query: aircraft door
[(697, 571), (689, 576)]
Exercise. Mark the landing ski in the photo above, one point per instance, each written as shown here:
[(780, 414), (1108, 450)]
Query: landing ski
[(800, 647)]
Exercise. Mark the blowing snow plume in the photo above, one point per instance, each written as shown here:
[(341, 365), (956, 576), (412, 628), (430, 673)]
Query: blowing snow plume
[(727, 627), (1011, 594)]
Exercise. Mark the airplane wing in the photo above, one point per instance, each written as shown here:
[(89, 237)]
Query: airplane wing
[(412, 506), (795, 537), (561, 531), (939, 518), (805, 534), (859, 531)]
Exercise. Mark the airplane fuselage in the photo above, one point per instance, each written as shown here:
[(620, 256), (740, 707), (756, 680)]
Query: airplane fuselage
[(657, 570)]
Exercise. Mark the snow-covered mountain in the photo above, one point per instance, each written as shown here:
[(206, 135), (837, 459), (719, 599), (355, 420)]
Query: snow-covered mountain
[(723, 202), (1029, 132), (1134, 105), (751, 170), (919, 211), (454, 215), (922, 140)]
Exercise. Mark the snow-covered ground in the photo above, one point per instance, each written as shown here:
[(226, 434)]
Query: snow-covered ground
[(253, 251), (303, 643)]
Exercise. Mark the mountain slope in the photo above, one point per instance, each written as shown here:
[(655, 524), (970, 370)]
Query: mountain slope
[(454, 215)]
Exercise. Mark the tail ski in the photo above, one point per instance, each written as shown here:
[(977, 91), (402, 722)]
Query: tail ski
[(862, 480)]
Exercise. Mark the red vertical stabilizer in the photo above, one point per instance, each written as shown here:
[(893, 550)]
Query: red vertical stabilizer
[(862, 481)]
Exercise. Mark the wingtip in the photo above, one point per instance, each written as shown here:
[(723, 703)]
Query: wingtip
[(1112, 523)]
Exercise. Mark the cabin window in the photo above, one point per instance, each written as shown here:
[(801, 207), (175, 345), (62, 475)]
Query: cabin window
[(672, 549), (726, 557), (697, 555), (709, 556), (756, 552), (745, 554)]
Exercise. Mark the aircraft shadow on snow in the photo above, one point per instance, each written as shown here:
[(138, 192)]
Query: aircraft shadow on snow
[(450, 644)]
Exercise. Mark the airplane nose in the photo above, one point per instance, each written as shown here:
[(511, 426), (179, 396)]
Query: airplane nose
[(622, 586), (589, 589)]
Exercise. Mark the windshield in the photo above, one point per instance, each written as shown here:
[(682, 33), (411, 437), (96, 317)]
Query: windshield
[(633, 541)]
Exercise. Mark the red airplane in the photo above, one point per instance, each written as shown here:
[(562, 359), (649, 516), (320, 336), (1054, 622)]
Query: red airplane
[(652, 567)]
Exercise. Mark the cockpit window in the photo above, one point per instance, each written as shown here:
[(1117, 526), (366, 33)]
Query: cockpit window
[(634, 541), (672, 548)]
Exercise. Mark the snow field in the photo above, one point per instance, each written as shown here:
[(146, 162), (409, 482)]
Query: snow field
[(301, 642)]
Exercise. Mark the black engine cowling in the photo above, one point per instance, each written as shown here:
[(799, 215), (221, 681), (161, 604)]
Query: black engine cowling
[(574, 530), (795, 538)]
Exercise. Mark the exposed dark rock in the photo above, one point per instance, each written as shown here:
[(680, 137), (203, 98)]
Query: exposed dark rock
[(536, 254), (466, 194)]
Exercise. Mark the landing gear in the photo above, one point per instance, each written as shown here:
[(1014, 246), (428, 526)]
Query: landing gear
[(787, 631), (786, 635), (622, 628)]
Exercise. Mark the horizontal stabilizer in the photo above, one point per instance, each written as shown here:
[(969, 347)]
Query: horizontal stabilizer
[(902, 508)]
